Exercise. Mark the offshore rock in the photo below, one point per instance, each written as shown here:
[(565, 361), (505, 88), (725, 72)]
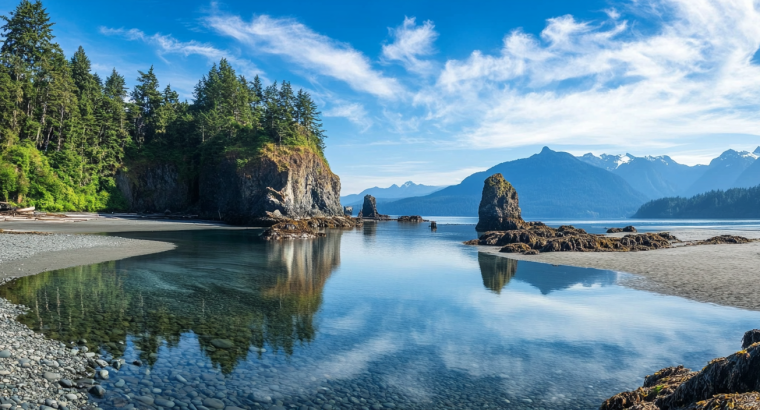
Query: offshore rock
[(750, 337), (628, 228), (369, 209), (348, 210), (412, 218), (291, 181), (725, 383), (535, 238), (499, 207), (286, 229)]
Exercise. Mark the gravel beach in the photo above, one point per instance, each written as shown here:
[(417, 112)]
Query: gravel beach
[(36, 372), (721, 274)]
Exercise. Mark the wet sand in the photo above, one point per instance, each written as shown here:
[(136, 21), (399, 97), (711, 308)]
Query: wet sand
[(102, 248), (722, 274)]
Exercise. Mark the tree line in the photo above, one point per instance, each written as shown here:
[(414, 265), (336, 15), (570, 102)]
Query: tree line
[(730, 204), (65, 132)]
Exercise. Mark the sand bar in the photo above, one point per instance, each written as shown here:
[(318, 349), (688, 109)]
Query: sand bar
[(721, 274)]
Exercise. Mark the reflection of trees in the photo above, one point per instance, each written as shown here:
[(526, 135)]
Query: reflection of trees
[(496, 271), (272, 305)]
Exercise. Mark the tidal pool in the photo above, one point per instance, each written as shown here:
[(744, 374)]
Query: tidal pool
[(387, 315)]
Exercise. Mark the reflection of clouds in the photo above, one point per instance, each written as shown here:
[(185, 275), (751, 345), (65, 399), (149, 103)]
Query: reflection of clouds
[(347, 323)]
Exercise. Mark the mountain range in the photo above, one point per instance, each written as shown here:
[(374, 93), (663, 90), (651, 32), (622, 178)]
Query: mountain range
[(661, 176), (549, 184), (555, 184), (393, 192)]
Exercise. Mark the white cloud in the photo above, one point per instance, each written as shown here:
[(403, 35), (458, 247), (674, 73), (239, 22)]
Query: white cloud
[(607, 83), (353, 112), (409, 42), (166, 44), (303, 46)]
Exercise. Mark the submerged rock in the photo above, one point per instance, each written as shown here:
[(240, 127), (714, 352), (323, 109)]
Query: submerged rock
[(499, 206), (726, 383)]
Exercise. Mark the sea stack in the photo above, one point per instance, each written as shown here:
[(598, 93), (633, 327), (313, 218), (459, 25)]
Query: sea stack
[(369, 209), (499, 207)]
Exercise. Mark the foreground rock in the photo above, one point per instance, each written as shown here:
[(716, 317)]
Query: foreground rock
[(369, 209), (35, 371), (286, 229), (538, 237), (724, 239), (726, 383), (499, 207)]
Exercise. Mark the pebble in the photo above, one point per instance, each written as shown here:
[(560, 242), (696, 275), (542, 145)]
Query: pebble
[(97, 391), (51, 376), (213, 403), (4, 354)]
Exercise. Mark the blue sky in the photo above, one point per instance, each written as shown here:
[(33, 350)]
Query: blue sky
[(434, 91)]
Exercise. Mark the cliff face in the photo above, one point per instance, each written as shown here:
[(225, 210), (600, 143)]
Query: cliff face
[(154, 188), (293, 182)]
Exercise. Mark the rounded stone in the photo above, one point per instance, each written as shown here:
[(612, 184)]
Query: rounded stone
[(97, 391), (50, 376), (213, 403), (66, 383), (71, 397), (164, 403), (4, 354)]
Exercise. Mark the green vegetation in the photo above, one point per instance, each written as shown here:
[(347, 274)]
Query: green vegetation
[(733, 203), (64, 132)]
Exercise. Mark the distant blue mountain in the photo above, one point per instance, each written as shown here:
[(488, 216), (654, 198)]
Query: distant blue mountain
[(407, 190), (751, 176), (722, 173), (549, 185), (655, 177)]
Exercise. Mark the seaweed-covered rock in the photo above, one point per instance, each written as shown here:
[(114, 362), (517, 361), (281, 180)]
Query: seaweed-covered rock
[(724, 239), (499, 206), (413, 218), (290, 230), (750, 337), (566, 238), (515, 248), (726, 383)]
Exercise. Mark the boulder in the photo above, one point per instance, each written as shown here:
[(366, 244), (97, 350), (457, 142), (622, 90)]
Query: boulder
[(348, 210), (726, 383), (750, 337), (499, 206), (724, 239)]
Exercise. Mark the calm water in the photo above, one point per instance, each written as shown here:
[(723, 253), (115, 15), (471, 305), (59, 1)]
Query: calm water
[(389, 315)]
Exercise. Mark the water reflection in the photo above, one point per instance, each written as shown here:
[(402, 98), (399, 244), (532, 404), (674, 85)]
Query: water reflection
[(496, 271), (273, 305)]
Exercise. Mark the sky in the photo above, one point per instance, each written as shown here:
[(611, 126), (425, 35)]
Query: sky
[(432, 91)]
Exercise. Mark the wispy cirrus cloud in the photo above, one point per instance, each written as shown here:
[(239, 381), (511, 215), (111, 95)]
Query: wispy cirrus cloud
[(306, 48), (410, 42), (354, 112), (166, 44)]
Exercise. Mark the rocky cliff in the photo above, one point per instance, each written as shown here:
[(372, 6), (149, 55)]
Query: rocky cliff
[(287, 182), (154, 187), (280, 182)]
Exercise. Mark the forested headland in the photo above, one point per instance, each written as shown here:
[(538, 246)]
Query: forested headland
[(65, 132), (730, 204)]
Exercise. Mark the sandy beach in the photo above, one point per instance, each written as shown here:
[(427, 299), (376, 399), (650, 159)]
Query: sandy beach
[(721, 274)]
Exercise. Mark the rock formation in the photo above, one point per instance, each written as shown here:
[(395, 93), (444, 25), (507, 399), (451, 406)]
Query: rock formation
[(724, 239), (306, 228), (537, 237), (348, 210), (727, 383), (277, 183), (628, 228), (413, 218), (154, 187), (499, 207), (369, 209)]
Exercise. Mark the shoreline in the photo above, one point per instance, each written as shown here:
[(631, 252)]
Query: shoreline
[(719, 274), (37, 371)]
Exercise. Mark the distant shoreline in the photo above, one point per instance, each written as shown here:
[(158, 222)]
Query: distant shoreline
[(720, 274)]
